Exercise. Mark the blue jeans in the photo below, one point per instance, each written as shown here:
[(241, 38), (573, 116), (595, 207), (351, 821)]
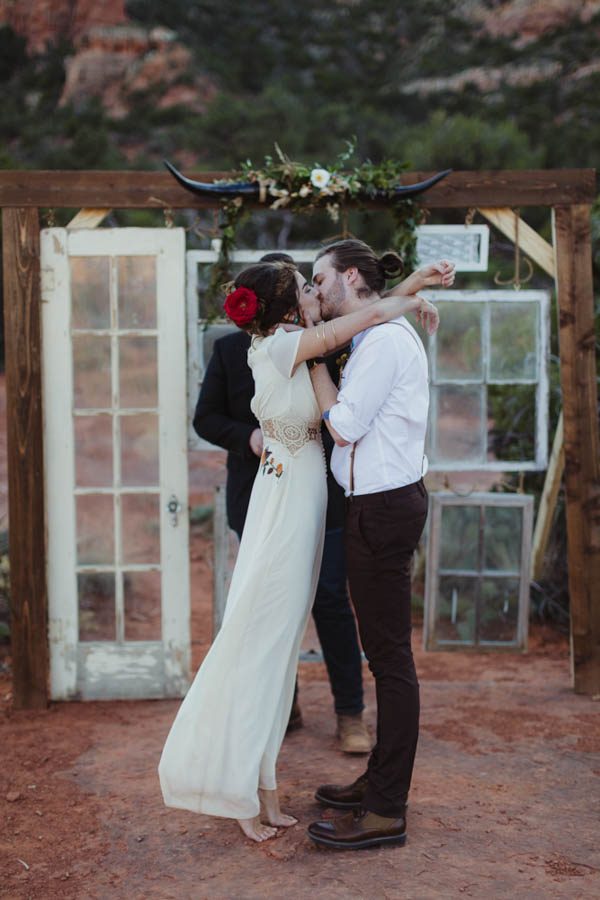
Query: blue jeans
[(336, 628)]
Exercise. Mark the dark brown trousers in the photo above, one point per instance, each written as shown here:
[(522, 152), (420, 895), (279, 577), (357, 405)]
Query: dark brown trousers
[(382, 532)]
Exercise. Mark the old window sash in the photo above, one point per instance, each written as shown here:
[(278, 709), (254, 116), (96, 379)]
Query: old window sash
[(482, 307)]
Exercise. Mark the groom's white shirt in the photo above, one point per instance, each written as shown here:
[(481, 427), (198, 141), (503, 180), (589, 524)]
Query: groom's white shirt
[(382, 403)]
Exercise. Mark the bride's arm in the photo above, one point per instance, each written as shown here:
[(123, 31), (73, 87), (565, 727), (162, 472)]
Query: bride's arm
[(320, 339), (439, 273)]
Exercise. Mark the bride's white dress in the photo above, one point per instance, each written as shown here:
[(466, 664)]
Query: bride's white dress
[(225, 740)]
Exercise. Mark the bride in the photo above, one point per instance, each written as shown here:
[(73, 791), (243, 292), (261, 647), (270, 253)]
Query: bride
[(221, 752)]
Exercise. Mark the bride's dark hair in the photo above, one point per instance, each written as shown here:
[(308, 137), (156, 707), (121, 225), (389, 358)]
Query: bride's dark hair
[(374, 269), (275, 286)]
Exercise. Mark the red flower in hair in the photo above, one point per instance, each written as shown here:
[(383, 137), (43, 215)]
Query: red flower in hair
[(241, 306)]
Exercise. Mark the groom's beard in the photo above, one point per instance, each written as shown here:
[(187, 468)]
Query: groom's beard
[(331, 305)]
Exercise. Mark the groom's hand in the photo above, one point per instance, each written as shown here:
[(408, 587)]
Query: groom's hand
[(428, 316)]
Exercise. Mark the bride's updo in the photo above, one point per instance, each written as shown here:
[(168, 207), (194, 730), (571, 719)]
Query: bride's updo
[(374, 269), (262, 296)]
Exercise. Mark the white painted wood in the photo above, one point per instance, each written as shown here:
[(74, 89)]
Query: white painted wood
[(441, 499), (454, 236), (173, 460), (488, 298), (524, 591), (116, 669), (59, 464), (136, 671)]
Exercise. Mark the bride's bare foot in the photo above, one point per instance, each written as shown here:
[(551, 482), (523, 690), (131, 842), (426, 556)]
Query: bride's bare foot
[(269, 801), (255, 830)]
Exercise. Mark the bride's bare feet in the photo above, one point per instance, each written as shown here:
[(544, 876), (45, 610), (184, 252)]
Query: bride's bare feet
[(269, 801), (255, 830)]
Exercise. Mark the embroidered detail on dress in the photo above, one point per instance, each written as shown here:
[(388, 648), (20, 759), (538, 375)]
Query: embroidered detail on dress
[(293, 435), (269, 465)]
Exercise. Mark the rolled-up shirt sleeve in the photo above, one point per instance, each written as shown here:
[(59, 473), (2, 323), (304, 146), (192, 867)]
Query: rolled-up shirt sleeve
[(370, 378)]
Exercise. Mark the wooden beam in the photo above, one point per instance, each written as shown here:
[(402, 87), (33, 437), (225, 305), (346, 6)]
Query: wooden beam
[(572, 242), (545, 516), (530, 242), (141, 190), (29, 628), (88, 218)]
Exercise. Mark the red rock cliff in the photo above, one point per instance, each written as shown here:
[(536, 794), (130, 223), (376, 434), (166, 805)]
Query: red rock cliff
[(46, 21)]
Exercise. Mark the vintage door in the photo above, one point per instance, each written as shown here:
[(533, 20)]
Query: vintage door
[(114, 381)]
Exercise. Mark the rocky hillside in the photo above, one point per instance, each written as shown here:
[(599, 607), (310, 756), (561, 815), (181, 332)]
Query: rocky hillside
[(468, 83)]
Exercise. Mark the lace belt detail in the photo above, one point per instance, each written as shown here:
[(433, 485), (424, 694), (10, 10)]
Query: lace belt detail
[(293, 435)]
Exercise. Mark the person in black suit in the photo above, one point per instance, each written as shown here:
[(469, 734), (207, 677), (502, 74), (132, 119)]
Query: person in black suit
[(223, 417)]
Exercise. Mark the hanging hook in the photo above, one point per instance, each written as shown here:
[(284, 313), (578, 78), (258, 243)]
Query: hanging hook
[(518, 279)]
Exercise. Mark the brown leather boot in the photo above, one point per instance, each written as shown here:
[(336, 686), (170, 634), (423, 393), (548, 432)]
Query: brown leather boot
[(343, 796), (353, 735), (359, 830)]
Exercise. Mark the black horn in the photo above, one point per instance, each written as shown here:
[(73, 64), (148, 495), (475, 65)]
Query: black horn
[(238, 189), (252, 188), (410, 190)]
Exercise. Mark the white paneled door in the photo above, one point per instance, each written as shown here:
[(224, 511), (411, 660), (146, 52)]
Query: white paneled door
[(114, 378)]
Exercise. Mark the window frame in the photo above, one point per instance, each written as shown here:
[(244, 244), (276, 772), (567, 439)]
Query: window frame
[(434, 571), (487, 298)]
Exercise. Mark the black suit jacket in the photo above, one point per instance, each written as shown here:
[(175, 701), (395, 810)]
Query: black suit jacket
[(223, 417)]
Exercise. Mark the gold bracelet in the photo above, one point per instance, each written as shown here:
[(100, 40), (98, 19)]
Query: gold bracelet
[(334, 334), (323, 338)]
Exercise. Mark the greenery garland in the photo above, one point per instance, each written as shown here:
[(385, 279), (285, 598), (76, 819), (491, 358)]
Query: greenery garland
[(301, 188)]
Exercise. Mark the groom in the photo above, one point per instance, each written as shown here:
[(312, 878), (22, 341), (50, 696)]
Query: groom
[(378, 421)]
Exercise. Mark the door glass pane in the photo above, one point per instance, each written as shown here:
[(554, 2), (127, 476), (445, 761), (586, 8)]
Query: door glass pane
[(91, 372), (140, 528), (142, 606), (513, 340), (138, 372), (502, 538), (459, 427), (458, 342), (96, 592), (93, 451), (137, 291), (139, 450), (456, 608), (95, 544), (511, 418), (499, 609), (459, 538), (90, 294)]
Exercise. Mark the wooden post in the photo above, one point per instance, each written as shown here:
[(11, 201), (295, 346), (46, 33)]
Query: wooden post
[(572, 243), (29, 630), (88, 218), (545, 516)]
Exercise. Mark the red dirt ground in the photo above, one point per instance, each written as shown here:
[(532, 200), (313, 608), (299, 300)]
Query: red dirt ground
[(504, 801)]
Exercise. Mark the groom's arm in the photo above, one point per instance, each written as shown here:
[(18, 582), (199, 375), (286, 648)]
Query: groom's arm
[(371, 375)]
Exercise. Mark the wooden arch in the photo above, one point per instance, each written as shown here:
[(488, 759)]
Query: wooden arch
[(569, 193)]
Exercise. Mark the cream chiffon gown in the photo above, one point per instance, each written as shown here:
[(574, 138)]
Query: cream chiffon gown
[(225, 739)]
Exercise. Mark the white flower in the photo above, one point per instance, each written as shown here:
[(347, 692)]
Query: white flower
[(320, 177)]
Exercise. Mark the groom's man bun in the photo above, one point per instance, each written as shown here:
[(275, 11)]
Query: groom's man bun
[(375, 270)]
